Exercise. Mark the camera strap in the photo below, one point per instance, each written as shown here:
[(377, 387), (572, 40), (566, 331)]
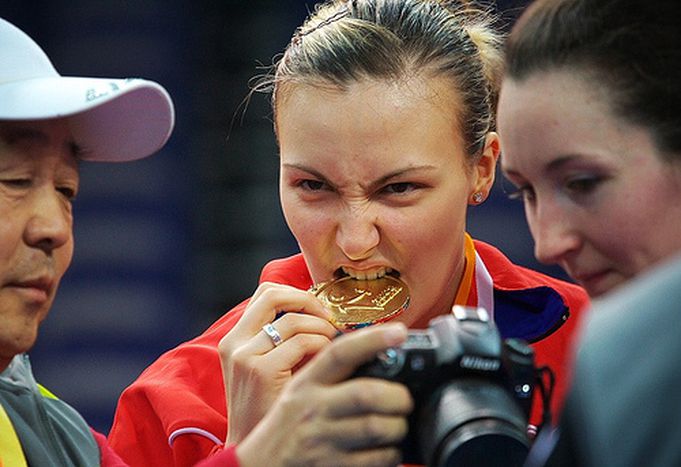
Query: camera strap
[(546, 381)]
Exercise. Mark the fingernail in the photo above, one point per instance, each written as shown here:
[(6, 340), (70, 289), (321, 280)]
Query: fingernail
[(394, 333)]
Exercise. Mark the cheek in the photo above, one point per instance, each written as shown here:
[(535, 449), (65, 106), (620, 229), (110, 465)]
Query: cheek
[(308, 225), (531, 221), (63, 256), (11, 228), (429, 231), (623, 231), (7, 240)]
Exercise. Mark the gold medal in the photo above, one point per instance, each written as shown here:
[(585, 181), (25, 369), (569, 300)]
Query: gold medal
[(357, 303)]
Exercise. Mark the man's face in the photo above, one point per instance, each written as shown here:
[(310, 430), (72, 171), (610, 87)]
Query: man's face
[(38, 180)]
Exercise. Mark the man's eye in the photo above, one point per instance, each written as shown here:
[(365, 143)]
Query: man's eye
[(68, 193), (17, 182)]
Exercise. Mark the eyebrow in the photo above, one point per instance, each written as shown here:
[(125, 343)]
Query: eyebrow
[(380, 181), (554, 166), (557, 164), (14, 136)]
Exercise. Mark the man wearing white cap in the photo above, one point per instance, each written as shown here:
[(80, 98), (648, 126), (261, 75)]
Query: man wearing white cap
[(47, 123)]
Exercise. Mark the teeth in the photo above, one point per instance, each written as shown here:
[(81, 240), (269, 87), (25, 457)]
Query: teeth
[(367, 275)]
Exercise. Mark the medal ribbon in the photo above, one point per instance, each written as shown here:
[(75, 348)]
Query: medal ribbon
[(476, 287), (462, 295)]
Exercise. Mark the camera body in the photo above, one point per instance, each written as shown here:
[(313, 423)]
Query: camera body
[(472, 391)]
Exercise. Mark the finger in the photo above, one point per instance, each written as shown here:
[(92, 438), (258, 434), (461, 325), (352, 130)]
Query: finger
[(369, 395), (376, 457), (340, 359), (277, 365), (271, 299), (362, 432), (267, 443), (290, 325), (382, 456), (289, 355)]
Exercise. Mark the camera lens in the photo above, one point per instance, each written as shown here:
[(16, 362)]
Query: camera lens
[(472, 422)]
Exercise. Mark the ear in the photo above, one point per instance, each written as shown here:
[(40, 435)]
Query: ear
[(485, 169)]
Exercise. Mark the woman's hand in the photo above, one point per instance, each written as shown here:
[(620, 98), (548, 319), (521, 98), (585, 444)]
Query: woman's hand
[(255, 369), (323, 418)]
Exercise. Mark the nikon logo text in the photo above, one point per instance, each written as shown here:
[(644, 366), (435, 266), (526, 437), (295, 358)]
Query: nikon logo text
[(479, 363)]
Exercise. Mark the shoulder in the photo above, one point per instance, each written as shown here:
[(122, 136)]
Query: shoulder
[(627, 376), (513, 276), (509, 276), (649, 302), (291, 270), (179, 385), (108, 457), (642, 316), (203, 347)]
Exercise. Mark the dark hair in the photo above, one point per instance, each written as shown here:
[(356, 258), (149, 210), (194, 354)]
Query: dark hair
[(346, 41), (630, 47)]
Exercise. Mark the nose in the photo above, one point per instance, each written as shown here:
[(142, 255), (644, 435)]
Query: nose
[(555, 236), (50, 222), (358, 234)]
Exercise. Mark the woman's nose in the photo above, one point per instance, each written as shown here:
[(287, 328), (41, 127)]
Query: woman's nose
[(358, 233), (554, 233)]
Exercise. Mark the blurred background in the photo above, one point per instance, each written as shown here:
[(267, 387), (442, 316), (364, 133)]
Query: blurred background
[(166, 245)]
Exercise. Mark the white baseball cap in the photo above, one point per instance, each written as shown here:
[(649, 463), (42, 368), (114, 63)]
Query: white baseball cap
[(112, 120)]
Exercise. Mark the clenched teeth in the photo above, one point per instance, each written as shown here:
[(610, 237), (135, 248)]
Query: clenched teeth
[(367, 275)]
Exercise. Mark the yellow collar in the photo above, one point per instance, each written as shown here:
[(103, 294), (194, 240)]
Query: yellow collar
[(11, 453)]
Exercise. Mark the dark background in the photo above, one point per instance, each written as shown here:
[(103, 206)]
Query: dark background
[(166, 245)]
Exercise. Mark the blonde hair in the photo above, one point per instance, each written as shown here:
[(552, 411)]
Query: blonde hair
[(343, 42)]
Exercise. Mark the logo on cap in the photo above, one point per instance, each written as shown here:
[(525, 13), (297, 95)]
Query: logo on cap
[(92, 94)]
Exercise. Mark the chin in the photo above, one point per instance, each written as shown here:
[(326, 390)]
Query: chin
[(26, 340), (16, 348), (604, 288)]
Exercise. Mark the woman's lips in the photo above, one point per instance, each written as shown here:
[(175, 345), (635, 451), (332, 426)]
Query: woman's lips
[(594, 283)]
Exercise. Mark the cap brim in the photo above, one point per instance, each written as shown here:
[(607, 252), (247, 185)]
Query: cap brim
[(111, 119)]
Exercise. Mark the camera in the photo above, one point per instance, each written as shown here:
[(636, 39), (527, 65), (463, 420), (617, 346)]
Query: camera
[(472, 391)]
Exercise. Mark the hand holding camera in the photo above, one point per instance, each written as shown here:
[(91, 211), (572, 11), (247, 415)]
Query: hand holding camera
[(472, 391)]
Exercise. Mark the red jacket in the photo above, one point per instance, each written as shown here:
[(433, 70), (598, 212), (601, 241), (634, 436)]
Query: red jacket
[(175, 413)]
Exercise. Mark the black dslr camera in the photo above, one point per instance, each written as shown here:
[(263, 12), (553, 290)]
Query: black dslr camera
[(472, 391)]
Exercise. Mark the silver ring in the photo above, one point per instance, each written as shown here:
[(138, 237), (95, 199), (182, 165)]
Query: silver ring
[(272, 332)]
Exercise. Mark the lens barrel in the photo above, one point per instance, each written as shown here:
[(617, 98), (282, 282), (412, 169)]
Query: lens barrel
[(472, 422)]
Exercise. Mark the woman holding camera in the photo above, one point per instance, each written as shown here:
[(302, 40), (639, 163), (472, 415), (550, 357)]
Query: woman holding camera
[(589, 115), (383, 112)]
